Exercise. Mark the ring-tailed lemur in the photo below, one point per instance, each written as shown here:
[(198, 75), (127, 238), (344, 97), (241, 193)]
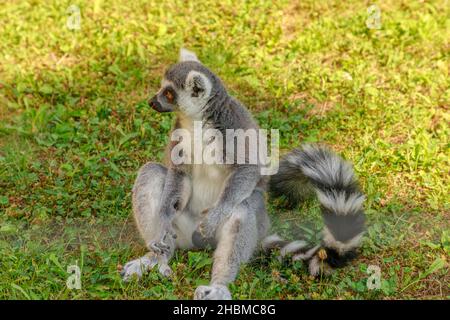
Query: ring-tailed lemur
[(187, 206)]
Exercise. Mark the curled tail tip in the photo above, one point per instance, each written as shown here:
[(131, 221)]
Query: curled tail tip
[(336, 187), (321, 259), (341, 198), (333, 181)]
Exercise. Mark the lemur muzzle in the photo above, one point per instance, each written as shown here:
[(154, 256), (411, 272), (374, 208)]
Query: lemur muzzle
[(153, 102)]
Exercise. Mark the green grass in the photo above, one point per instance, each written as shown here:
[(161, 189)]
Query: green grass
[(75, 127)]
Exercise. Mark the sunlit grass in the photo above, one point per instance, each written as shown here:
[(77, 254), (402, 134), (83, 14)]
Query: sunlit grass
[(75, 127)]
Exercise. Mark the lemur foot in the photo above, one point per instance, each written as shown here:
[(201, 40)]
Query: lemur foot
[(138, 267), (213, 292)]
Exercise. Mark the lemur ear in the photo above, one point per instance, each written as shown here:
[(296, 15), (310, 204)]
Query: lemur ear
[(198, 83), (186, 55)]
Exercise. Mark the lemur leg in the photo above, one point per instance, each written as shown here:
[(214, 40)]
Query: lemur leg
[(237, 240), (147, 192)]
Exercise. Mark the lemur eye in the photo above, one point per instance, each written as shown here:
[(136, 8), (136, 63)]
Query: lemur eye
[(169, 96)]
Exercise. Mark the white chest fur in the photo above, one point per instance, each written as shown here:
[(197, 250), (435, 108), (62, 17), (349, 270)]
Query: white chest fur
[(208, 180), (207, 184)]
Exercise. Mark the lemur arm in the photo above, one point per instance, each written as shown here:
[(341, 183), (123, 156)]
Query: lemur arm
[(175, 193), (177, 187), (239, 186)]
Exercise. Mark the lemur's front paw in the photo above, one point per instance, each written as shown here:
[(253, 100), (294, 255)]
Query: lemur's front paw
[(213, 292), (208, 225), (205, 230)]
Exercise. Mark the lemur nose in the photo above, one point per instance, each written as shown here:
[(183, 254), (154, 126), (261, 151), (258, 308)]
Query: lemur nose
[(153, 103), (156, 105)]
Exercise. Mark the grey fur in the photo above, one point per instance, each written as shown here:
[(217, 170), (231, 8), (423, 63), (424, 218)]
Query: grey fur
[(189, 206)]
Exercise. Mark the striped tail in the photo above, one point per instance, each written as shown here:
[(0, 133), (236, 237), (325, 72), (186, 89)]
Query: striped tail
[(333, 180)]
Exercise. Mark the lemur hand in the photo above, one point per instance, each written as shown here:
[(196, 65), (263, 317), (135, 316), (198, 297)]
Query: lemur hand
[(210, 222)]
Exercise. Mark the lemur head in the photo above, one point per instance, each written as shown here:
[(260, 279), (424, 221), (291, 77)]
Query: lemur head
[(186, 87)]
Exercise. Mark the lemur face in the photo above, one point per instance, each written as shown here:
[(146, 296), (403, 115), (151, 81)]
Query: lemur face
[(186, 87)]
